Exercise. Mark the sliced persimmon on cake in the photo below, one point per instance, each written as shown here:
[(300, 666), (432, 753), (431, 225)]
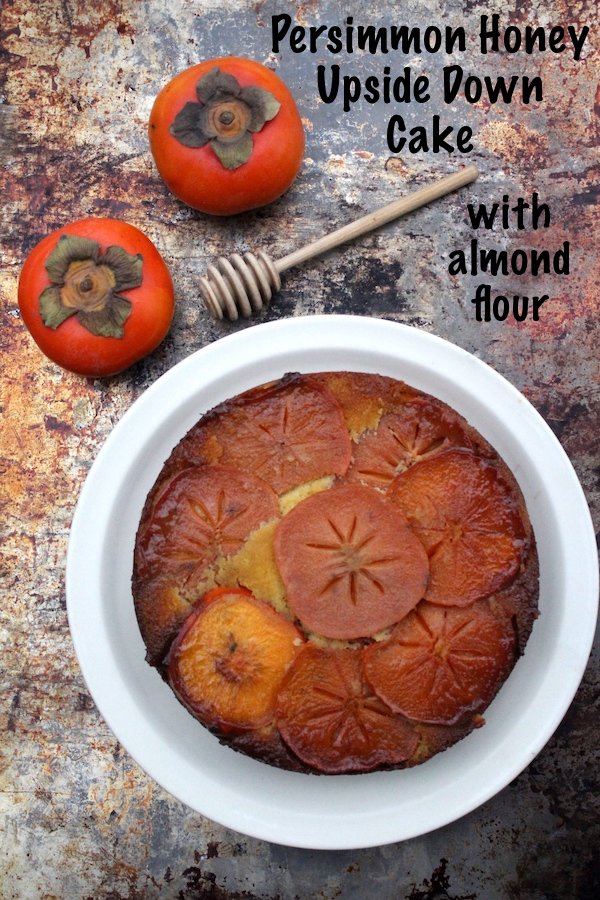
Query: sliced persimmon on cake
[(287, 433), (330, 717), (202, 512), (420, 430), (442, 662), (229, 658), (349, 562), (469, 521)]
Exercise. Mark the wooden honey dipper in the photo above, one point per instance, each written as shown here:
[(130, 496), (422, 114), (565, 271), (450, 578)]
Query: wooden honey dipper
[(244, 284)]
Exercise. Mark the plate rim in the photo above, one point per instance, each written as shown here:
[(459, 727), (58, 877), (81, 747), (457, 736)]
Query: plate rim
[(324, 332)]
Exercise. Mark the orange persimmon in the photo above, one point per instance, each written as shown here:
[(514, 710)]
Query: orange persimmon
[(96, 296), (226, 136)]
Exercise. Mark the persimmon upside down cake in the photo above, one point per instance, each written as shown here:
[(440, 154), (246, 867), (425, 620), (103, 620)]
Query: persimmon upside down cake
[(335, 573)]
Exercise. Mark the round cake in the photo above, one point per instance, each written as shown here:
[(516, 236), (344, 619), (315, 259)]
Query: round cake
[(335, 573)]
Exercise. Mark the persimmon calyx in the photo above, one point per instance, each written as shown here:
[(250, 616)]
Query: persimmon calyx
[(86, 283), (224, 117)]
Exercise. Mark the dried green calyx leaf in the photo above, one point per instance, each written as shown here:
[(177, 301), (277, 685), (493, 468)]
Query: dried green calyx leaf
[(86, 283), (69, 248), (225, 117), (230, 154)]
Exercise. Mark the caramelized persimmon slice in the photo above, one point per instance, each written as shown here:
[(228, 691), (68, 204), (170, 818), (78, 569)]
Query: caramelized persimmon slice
[(418, 431), (332, 721), (349, 562), (289, 434), (228, 661), (203, 513), (441, 663), (468, 519), (223, 591)]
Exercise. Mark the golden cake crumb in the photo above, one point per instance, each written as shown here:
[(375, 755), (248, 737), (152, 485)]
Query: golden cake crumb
[(254, 567), (293, 497)]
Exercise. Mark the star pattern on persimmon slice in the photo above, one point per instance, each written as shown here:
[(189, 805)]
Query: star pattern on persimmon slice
[(441, 663), (468, 519), (330, 718), (420, 431), (203, 513), (349, 562), (225, 524), (286, 435)]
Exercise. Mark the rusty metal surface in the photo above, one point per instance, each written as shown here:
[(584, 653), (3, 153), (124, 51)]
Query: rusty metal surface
[(78, 818)]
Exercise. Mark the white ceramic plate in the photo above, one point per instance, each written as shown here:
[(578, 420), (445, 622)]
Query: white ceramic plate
[(336, 812)]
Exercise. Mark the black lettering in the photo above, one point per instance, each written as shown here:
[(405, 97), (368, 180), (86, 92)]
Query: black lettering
[(555, 39), (421, 85), (419, 140), (518, 209), (335, 83), (396, 122), (500, 307), (372, 89), (537, 302), (494, 34), (540, 258), (472, 95), (464, 135), (386, 84), (578, 42), (432, 46), (402, 87), (505, 211), (453, 36), (561, 260), (482, 299), (402, 36), (518, 262), (520, 314), (297, 35), (452, 81), (279, 28), (538, 211), (492, 261), (439, 137), (530, 86), (474, 256), (349, 35), (532, 37), (373, 38), (458, 264), (512, 45), (335, 44), (351, 90), (500, 300), (314, 34), (500, 87), (482, 215)]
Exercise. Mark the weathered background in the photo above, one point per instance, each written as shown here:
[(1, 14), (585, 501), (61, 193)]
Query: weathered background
[(78, 818)]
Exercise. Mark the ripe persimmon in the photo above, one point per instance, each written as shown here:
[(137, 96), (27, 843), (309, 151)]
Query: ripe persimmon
[(226, 136), (418, 431), (288, 434), (96, 296), (441, 663)]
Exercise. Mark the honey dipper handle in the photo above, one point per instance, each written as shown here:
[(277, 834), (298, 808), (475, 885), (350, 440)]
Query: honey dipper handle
[(379, 217)]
